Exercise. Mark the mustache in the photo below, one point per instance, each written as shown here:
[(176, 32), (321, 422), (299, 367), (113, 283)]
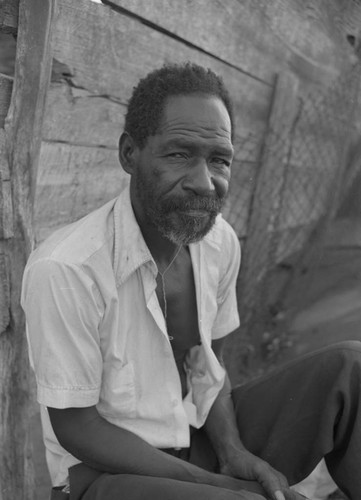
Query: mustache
[(211, 203)]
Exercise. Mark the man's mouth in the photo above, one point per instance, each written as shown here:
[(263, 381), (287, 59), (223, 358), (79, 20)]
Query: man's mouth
[(194, 213)]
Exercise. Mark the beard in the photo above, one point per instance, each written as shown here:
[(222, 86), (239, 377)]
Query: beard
[(181, 219)]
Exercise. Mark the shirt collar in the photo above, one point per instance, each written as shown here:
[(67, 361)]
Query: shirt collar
[(130, 249)]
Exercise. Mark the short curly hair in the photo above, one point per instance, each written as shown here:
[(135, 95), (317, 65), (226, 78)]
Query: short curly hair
[(147, 102)]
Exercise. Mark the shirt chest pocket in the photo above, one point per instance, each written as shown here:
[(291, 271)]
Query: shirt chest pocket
[(118, 394)]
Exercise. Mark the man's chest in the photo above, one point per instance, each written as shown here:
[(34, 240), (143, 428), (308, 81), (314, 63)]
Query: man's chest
[(177, 298), (134, 321)]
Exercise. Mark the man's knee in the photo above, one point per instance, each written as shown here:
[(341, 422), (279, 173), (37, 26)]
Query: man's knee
[(347, 351), (133, 487), (351, 346), (341, 362)]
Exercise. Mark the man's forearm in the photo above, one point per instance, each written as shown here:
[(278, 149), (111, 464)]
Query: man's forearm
[(221, 425), (106, 447), (234, 459)]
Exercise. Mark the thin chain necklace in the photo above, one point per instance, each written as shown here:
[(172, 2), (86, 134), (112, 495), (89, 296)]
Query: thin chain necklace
[(162, 274)]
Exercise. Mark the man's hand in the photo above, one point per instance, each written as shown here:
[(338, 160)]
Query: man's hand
[(244, 465), (234, 459)]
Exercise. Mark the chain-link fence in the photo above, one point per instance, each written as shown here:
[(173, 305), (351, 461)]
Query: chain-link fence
[(286, 204)]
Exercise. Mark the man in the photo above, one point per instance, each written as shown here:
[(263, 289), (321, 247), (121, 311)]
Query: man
[(126, 314)]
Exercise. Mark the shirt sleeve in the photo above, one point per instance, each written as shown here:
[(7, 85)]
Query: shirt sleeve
[(227, 319), (63, 313)]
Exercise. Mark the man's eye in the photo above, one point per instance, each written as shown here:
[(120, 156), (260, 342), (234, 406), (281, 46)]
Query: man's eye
[(221, 161), (177, 155)]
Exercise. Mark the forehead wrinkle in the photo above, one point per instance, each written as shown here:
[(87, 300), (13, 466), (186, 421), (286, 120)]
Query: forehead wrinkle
[(180, 124), (201, 122), (197, 132), (194, 115), (189, 141)]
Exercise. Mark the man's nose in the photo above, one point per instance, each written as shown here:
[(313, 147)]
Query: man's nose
[(199, 179)]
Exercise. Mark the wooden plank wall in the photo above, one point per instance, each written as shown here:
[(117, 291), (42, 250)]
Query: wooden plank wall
[(21, 111), (101, 51)]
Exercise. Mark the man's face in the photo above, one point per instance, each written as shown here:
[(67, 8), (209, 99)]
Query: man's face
[(182, 174)]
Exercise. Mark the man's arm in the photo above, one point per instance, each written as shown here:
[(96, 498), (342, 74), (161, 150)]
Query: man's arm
[(233, 457), (106, 447)]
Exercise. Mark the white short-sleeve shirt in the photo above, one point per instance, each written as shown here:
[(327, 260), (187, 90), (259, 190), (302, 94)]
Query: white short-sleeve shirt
[(97, 335)]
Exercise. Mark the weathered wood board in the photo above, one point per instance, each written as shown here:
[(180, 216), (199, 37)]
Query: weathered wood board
[(111, 65), (6, 86), (267, 197), (310, 29), (261, 38), (19, 147), (6, 206), (79, 117), (232, 31), (9, 10), (6, 224), (72, 181)]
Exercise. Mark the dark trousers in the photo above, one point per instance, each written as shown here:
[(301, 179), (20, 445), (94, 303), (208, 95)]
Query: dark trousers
[(308, 409)]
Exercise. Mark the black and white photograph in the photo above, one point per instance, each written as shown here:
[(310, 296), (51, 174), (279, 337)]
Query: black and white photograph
[(180, 249)]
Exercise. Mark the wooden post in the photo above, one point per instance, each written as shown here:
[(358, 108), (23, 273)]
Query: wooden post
[(19, 150), (264, 209)]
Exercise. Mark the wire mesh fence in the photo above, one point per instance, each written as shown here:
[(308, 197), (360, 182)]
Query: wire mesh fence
[(283, 210)]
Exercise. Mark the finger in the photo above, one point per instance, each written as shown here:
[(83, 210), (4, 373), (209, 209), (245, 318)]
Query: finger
[(274, 484), (252, 486), (279, 495), (247, 495), (294, 495), (277, 488), (288, 494)]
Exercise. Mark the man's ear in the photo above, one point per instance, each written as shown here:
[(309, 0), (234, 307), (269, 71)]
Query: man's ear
[(127, 152)]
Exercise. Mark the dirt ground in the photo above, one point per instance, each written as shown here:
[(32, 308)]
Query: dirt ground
[(325, 307)]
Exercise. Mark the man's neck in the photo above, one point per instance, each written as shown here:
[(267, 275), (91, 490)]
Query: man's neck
[(161, 248)]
